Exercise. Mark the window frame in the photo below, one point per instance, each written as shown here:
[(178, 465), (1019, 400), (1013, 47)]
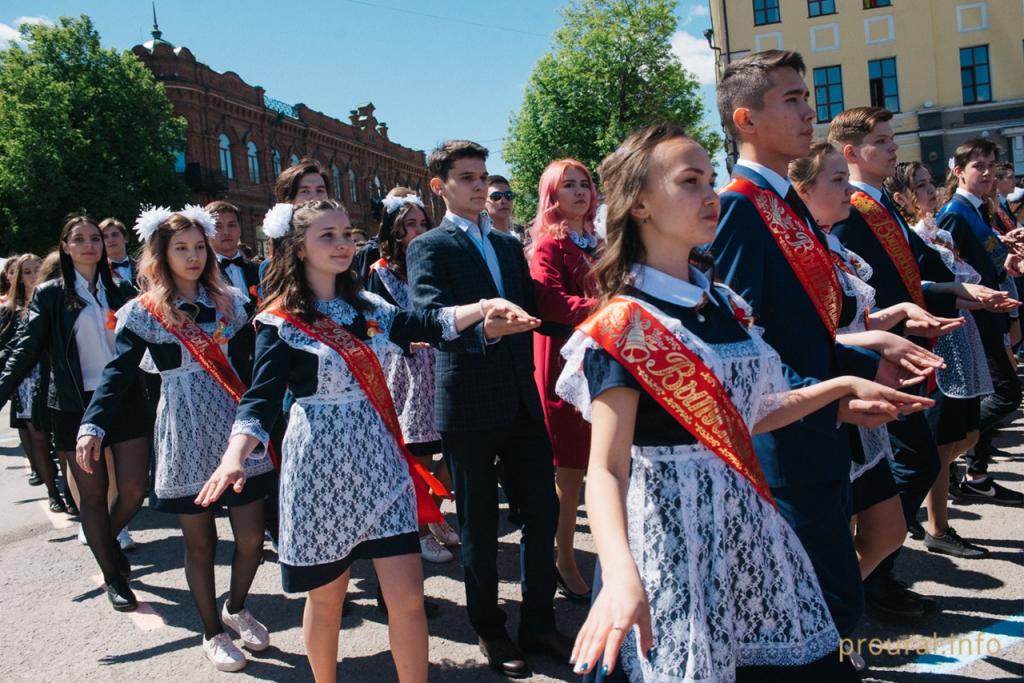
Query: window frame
[(336, 180), (227, 165), (275, 163), (252, 161), (353, 185), (764, 11), (972, 68), (812, 15), (874, 4), (881, 62), (827, 86)]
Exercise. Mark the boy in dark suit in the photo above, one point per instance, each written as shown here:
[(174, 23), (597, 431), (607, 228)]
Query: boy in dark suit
[(487, 408), (238, 271)]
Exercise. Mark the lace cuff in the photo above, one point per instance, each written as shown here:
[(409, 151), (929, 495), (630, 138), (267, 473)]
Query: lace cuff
[(251, 427), (446, 317), (572, 384), (89, 429)]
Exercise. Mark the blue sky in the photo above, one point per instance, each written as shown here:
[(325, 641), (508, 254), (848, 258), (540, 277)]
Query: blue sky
[(435, 70)]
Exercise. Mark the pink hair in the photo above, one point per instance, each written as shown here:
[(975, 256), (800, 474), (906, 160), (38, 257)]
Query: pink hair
[(549, 220)]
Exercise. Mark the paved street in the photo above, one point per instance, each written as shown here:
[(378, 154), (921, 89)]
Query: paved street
[(57, 625)]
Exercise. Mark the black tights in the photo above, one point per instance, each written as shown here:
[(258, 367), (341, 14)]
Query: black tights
[(200, 531), (37, 448), (102, 524)]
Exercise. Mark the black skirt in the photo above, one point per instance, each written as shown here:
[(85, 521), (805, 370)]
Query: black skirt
[(952, 419), (874, 486), (257, 488), (302, 579), (131, 422)]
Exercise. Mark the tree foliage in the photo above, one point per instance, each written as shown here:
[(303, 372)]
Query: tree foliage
[(610, 72), (81, 127)]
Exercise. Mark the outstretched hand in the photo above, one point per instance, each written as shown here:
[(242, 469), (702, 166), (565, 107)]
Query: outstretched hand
[(921, 323), (229, 473), (502, 318), (618, 607)]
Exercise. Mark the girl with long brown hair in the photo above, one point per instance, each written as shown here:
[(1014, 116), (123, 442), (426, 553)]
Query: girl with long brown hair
[(674, 379), (185, 327), (349, 488), (72, 319)]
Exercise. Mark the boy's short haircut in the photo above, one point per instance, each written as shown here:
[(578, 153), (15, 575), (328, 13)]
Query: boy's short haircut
[(853, 125), (287, 186), (113, 223), (745, 82), (448, 152), (498, 180), (1001, 167), (220, 206)]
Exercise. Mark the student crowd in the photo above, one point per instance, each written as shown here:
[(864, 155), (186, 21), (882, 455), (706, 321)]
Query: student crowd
[(762, 387)]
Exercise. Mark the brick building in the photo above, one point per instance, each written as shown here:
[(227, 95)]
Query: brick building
[(239, 139)]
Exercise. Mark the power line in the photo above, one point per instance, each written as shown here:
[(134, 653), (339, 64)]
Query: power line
[(443, 18)]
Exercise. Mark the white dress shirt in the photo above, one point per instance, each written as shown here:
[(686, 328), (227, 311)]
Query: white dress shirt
[(93, 337), (478, 235), (234, 273)]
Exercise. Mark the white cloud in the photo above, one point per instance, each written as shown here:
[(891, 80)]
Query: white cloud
[(695, 12), (695, 55), (9, 32)]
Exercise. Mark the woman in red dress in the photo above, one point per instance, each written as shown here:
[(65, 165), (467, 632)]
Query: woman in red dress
[(564, 243)]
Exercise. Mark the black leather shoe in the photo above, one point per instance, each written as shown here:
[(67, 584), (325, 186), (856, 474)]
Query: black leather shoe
[(34, 479), (563, 588), (431, 609), (124, 566), (889, 599), (552, 643), (950, 543), (916, 531), (69, 504), (121, 596), (503, 656), (928, 604), (57, 504)]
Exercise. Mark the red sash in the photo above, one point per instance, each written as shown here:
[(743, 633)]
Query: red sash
[(892, 239), (1005, 224), (679, 381), (207, 353), (807, 257), (366, 369)]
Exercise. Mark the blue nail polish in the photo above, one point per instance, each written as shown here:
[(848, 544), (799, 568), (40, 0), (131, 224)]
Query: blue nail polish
[(650, 654), (604, 670), (583, 666)]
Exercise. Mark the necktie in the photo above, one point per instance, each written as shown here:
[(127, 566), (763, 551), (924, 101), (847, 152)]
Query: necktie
[(237, 261), (124, 263)]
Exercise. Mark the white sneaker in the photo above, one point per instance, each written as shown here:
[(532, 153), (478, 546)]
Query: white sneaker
[(444, 534), (432, 551), (254, 635), (224, 654), (81, 535), (125, 540)]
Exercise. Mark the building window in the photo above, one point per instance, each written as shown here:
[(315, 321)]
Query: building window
[(882, 84), (336, 181), (873, 4), (828, 92), (817, 8), (975, 78), (179, 161), (252, 157), (293, 160), (766, 12), (275, 162), (353, 187), (378, 187), (226, 167)]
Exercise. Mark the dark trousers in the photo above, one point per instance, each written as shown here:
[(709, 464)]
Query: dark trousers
[(1004, 399), (915, 467), (529, 479), (819, 513)]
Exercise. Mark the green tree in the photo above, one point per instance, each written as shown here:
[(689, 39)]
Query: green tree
[(611, 71), (81, 127)]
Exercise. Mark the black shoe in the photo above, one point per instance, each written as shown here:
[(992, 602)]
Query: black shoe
[(928, 604), (887, 598), (551, 643), (431, 609), (988, 491), (563, 588), (121, 596), (915, 530), (950, 543), (70, 507), (34, 479), (503, 656), (124, 566), (57, 503)]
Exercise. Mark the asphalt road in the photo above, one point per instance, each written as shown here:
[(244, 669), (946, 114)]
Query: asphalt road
[(56, 624)]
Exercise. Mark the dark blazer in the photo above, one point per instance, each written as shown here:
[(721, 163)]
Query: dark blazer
[(856, 236), (482, 387), (251, 274), (973, 251), (51, 328), (751, 263)]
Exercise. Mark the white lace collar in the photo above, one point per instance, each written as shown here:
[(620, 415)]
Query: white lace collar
[(671, 289), (202, 297)]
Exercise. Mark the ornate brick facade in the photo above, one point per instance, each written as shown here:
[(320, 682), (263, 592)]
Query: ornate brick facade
[(239, 139)]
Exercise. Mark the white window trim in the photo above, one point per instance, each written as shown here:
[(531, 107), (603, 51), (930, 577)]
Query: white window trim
[(888, 20), (960, 20), (776, 35), (824, 27)]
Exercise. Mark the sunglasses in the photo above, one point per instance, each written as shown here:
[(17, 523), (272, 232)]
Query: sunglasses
[(507, 194)]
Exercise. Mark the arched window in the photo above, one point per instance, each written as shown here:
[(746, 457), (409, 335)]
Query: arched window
[(179, 161), (293, 160), (353, 187), (336, 181), (253, 159), (226, 167), (275, 159), (378, 187)]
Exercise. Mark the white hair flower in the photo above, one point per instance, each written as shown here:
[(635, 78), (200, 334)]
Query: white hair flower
[(198, 214), (1016, 195), (278, 221), (150, 219), (392, 204)]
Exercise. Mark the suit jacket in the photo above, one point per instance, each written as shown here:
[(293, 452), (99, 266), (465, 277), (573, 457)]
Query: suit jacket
[(478, 386), (251, 275), (749, 260), (856, 236)]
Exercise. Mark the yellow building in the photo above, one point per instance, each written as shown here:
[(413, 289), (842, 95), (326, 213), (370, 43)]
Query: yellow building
[(950, 69)]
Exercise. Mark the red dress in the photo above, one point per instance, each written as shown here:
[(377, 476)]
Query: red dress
[(561, 275)]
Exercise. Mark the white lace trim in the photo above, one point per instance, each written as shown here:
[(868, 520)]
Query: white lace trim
[(89, 429)]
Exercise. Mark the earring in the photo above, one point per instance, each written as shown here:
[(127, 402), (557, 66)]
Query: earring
[(644, 221)]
